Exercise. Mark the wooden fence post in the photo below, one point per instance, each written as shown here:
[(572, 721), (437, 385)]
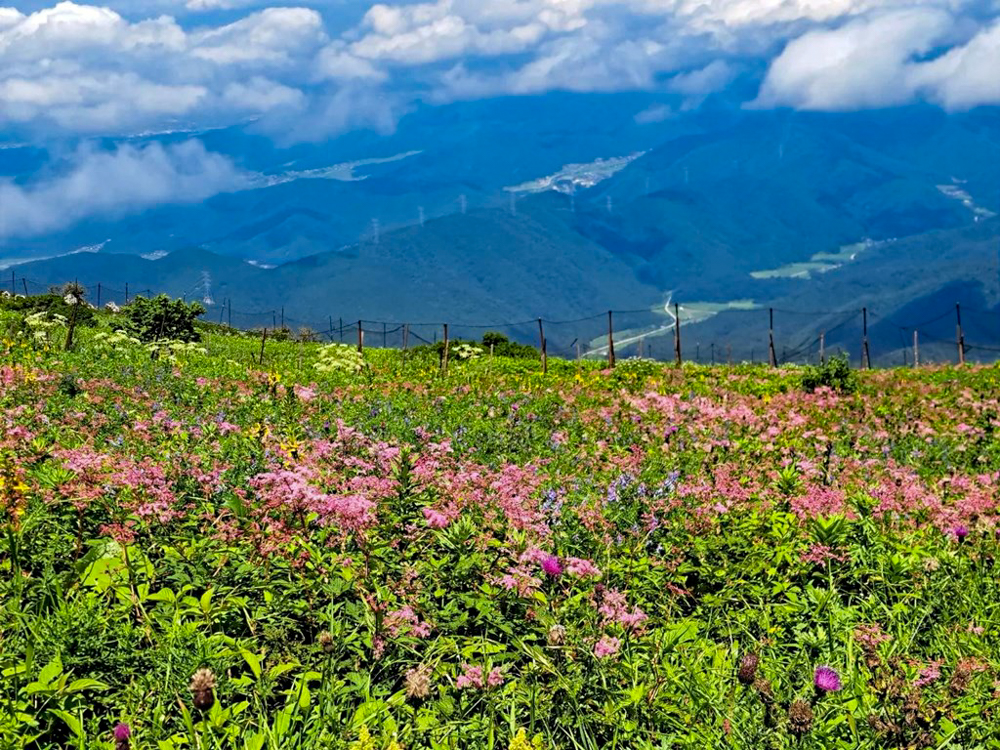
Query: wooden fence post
[(263, 339), (916, 348), (361, 338), (678, 360), (126, 292), (772, 355), (866, 362), (543, 348), (822, 347), (960, 337), (406, 339), (24, 282), (444, 361), (611, 340)]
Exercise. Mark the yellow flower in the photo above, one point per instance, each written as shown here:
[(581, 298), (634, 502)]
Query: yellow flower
[(520, 741), (364, 741)]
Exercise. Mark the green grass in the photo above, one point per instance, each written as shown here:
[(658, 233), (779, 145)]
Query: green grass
[(391, 556)]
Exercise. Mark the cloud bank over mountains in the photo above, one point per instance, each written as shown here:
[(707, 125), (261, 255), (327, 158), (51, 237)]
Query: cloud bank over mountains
[(147, 64), (115, 182), (327, 67)]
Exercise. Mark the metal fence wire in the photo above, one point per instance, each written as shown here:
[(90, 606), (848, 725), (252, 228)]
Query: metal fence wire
[(708, 333)]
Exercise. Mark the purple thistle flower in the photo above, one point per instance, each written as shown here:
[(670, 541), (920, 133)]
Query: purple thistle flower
[(960, 532), (122, 732), (826, 680), (552, 566)]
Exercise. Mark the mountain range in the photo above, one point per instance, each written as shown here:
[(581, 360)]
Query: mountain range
[(563, 206)]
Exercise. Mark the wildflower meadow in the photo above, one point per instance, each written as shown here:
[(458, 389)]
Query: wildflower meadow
[(225, 543)]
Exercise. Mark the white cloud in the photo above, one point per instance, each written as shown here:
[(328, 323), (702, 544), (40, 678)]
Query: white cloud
[(105, 183), (336, 63), (262, 95), (351, 107), (429, 32), (698, 84), (653, 114), (965, 77), (876, 62), (272, 36), (86, 69), (92, 69)]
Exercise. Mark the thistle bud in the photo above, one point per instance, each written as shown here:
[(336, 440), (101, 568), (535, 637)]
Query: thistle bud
[(764, 690), (800, 717), (418, 682), (325, 641), (203, 689), (748, 668), (121, 734), (556, 635)]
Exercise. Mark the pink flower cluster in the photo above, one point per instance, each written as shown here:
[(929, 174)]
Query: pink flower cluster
[(607, 646), (472, 678), (615, 608), (405, 621)]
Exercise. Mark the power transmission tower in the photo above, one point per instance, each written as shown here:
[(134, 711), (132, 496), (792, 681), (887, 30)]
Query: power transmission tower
[(376, 230), (206, 283), (463, 203), (420, 213)]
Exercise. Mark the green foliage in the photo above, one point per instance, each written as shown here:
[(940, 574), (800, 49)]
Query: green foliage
[(357, 554), (496, 344), (161, 318), (51, 304), (836, 374), (502, 346)]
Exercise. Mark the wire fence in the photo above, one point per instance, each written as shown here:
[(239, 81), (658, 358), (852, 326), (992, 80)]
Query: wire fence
[(706, 334)]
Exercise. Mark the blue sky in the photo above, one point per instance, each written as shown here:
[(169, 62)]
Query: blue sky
[(133, 65), (311, 71)]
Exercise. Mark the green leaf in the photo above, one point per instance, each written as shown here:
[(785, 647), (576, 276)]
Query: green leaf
[(282, 722), (74, 723), (85, 684), (163, 595), (206, 601), (305, 696), (50, 671), (252, 660), (279, 669)]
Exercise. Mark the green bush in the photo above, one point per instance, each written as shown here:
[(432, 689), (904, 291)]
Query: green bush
[(835, 374), (53, 303), (163, 318), (504, 347)]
